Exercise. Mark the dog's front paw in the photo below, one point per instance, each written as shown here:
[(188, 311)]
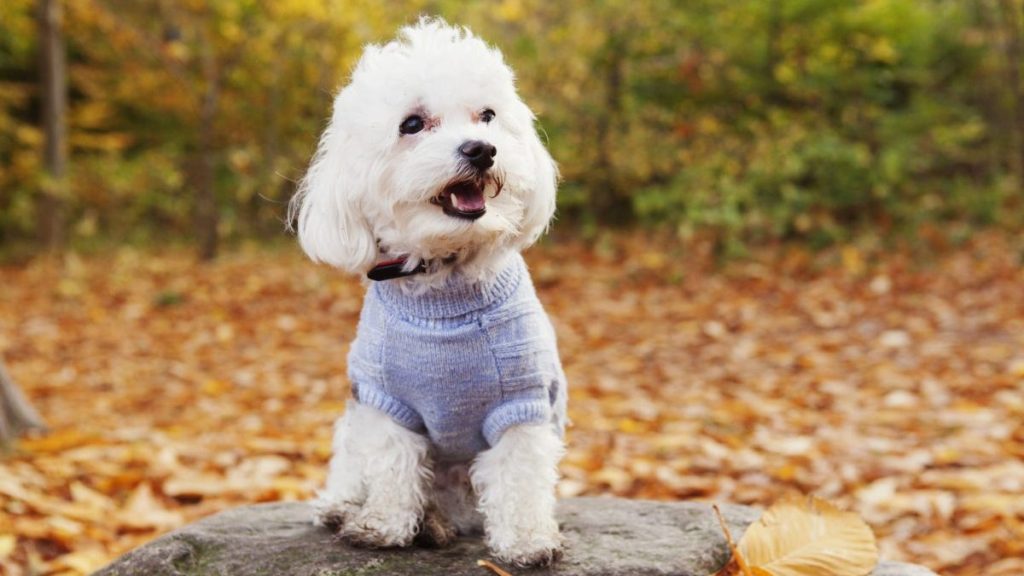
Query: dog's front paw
[(368, 530), (333, 514), (532, 548), (533, 555)]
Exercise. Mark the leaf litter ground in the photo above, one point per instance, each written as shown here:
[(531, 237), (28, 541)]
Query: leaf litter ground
[(886, 382)]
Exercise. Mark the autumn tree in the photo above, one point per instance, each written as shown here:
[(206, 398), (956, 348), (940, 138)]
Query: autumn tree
[(53, 71), (233, 93), (749, 120), (193, 46)]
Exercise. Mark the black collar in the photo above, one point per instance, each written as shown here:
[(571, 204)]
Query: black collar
[(391, 269)]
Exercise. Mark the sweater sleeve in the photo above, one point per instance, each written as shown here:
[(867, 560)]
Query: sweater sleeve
[(366, 367), (515, 413), (526, 355)]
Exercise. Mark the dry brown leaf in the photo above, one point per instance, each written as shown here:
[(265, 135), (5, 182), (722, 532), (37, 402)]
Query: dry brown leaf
[(144, 511), (82, 562), (809, 537), (191, 484), (669, 380), (86, 496), (492, 567), (62, 529), (44, 504)]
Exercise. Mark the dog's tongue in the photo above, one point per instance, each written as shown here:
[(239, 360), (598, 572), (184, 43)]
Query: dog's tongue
[(468, 199)]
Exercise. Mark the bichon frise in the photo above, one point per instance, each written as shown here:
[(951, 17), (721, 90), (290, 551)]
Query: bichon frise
[(430, 179)]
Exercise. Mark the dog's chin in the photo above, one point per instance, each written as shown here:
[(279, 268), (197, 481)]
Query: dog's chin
[(467, 199)]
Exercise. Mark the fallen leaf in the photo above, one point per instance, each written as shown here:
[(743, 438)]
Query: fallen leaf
[(7, 542), (492, 567), (81, 562), (809, 537), (144, 511), (896, 390)]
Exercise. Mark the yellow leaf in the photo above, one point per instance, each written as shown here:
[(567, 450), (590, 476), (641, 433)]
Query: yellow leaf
[(86, 496), (63, 529), (510, 10), (144, 511), (630, 426), (82, 561), (196, 484), (1017, 368), (56, 441), (883, 51), (7, 542), (853, 260), (213, 387), (653, 259), (798, 537)]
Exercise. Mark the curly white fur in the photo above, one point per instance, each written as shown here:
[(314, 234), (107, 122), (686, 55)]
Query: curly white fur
[(371, 194), (377, 483), (515, 481), (367, 193)]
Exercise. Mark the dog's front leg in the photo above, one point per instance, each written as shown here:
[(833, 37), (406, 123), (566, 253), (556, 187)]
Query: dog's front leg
[(515, 481), (385, 468), (337, 504)]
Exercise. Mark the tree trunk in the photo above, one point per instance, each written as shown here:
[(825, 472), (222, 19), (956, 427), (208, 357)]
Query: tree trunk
[(270, 181), (16, 415), (989, 89), (206, 196), (612, 205), (1014, 55), (207, 216), (55, 101), (771, 59)]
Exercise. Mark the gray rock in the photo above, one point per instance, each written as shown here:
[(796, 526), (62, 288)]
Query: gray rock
[(604, 536)]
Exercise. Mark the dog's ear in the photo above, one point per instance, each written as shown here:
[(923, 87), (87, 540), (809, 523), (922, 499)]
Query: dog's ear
[(327, 212), (541, 209)]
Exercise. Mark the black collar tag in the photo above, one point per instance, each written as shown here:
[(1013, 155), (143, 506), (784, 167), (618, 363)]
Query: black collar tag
[(391, 269)]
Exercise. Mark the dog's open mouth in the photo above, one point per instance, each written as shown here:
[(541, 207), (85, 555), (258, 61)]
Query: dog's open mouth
[(463, 199)]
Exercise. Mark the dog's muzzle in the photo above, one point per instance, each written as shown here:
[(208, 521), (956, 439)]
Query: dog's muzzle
[(463, 199)]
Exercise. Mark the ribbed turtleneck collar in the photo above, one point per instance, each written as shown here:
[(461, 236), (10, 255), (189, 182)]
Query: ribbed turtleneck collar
[(457, 297)]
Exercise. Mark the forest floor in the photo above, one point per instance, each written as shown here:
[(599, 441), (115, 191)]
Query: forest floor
[(888, 381)]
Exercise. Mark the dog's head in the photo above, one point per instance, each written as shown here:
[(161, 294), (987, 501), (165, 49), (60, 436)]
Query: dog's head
[(429, 154)]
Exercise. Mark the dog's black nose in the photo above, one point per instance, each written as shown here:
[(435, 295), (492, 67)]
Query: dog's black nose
[(479, 153)]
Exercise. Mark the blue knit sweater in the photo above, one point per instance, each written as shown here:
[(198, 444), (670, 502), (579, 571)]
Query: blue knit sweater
[(460, 364)]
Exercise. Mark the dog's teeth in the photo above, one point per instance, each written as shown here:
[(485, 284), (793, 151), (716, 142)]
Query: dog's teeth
[(455, 200)]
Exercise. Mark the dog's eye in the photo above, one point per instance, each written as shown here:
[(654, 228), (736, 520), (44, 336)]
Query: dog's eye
[(486, 116), (411, 125)]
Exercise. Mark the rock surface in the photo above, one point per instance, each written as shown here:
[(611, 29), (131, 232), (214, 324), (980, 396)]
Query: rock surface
[(604, 536)]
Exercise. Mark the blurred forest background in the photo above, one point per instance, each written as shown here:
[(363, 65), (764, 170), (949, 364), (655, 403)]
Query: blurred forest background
[(744, 120), (789, 258)]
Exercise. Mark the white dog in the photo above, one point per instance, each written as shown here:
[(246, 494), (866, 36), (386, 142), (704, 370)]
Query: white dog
[(431, 179)]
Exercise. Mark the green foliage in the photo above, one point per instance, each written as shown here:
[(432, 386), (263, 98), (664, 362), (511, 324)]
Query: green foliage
[(840, 121), (753, 120)]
